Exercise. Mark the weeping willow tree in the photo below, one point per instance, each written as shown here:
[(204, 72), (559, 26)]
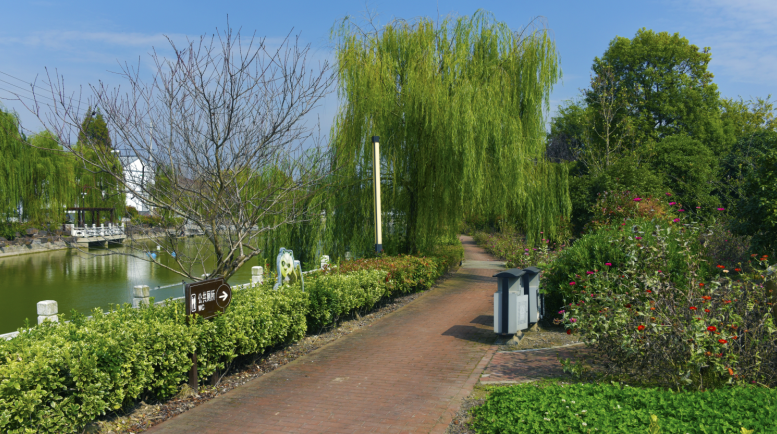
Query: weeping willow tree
[(36, 182), (459, 110)]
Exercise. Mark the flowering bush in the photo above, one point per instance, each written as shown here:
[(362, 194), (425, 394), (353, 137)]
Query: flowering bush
[(676, 332), (590, 255), (617, 207)]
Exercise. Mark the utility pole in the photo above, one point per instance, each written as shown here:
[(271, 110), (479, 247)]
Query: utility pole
[(376, 182)]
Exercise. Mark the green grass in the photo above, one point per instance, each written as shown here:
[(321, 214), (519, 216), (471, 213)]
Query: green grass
[(552, 407)]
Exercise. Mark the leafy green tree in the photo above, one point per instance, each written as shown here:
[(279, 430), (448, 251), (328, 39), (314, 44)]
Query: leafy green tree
[(666, 84), (459, 109), (737, 166), (744, 118), (98, 188), (94, 130), (756, 210), (688, 169)]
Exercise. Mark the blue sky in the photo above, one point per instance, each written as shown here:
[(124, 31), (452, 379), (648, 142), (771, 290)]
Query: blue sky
[(85, 40)]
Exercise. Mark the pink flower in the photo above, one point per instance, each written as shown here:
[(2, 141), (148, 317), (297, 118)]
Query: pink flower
[(572, 320), (589, 272), (721, 209), (672, 203), (669, 194), (608, 264), (637, 199), (571, 283), (681, 210), (676, 220), (637, 238), (561, 312), (698, 207)]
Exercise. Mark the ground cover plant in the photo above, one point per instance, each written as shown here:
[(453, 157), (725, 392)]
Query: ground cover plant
[(611, 408), (57, 378)]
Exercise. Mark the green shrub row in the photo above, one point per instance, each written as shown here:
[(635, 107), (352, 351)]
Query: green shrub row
[(57, 378), (605, 408)]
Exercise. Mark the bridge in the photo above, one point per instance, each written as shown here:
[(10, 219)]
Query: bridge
[(97, 235)]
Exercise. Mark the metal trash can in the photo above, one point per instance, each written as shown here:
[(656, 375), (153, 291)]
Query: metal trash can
[(531, 286), (517, 302), (510, 302)]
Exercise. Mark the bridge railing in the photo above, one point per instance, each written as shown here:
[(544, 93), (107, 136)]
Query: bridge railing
[(104, 230)]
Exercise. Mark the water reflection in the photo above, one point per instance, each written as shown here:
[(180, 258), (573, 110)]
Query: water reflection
[(81, 281)]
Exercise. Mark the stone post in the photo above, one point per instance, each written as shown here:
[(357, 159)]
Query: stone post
[(47, 311), (324, 261), (257, 275), (348, 256), (140, 296)]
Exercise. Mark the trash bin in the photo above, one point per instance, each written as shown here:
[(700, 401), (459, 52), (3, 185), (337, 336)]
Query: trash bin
[(511, 302), (531, 287)]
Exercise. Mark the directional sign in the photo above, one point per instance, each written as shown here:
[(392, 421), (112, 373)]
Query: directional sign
[(207, 297)]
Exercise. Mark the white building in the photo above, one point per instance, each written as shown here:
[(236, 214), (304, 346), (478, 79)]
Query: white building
[(137, 175)]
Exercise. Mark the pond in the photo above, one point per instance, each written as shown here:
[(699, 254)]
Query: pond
[(83, 281)]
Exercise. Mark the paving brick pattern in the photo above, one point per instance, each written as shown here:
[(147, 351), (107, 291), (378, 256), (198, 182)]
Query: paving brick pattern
[(530, 365), (407, 372)]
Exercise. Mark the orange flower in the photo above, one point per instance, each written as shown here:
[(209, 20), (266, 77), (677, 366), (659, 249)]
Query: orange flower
[(652, 308), (707, 310), (692, 308), (640, 327), (711, 328), (722, 341), (707, 297), (701, 284)]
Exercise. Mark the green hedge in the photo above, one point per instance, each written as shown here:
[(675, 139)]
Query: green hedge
[(57, 378), (604, 408)]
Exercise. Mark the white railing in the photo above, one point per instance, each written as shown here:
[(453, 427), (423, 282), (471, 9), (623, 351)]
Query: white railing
[(108, 230)]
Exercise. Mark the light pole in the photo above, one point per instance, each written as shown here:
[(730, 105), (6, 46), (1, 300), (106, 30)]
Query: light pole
[(376, 183)]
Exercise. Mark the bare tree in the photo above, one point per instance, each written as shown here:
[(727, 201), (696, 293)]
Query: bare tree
[(220, 135)]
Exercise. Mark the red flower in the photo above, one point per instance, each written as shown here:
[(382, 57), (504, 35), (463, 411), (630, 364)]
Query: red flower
[(707, 310), (722, 341), (569, 331), (720, 266), (692, 308), (701, 284), (737, 269), (727, 301), (711, 328), (629, 306), (649, 291), (640, 327), (707, 297)]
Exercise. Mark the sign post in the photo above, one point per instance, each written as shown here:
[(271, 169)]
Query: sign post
[(205, 298), (376, 182)]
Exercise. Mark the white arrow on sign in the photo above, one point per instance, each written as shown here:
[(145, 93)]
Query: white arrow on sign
[(223, 296)]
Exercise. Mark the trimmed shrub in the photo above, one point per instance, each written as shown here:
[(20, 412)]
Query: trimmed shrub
[(59, 377)]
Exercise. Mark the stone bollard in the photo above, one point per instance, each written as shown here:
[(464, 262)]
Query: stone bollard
[(348, 256), (47, 311), (140, 296), (257, 275), (324, 261)]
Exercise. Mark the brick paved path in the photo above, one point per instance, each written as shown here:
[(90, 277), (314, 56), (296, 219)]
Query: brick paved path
[(408, 372), (529, 365)]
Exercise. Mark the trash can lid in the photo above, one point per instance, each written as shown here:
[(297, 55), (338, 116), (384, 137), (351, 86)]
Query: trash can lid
[(534, 270), (511, 273)]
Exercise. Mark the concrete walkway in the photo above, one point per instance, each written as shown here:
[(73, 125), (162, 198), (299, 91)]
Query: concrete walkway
[(406, 373)]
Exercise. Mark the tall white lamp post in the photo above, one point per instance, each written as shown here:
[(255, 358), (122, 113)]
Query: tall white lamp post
[(376, 183)]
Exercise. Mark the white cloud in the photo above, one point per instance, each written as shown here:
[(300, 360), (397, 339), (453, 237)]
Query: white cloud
[(742, 35)]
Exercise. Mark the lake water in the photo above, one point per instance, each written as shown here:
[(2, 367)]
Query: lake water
[(82, 281)]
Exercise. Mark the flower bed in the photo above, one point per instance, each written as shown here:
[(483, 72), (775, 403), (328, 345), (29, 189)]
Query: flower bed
[(606, 408), (57, 378)]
